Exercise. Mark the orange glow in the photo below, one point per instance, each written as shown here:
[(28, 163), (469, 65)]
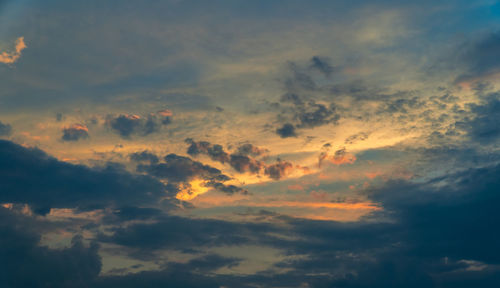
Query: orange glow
[(79, 127), (165, 113), (9, 58), (191, 190)]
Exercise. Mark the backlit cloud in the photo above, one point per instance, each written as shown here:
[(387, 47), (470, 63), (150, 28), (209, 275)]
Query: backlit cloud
[(11, 57)]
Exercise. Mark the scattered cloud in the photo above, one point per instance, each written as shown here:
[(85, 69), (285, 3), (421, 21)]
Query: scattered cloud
[(9, 58), (75, 132)]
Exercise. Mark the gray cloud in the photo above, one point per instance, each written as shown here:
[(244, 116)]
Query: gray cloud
[(287, 130), (33, 177), (127, 125), (5, 129), (75, 133)]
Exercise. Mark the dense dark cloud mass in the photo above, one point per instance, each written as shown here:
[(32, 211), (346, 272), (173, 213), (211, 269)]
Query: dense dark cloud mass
[(33, 177), (485, 126), (25, 264), (5, 129), (481, 58)]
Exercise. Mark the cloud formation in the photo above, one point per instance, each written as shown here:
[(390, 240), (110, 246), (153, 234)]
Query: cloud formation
[(75, 132), (5, 129), (9, 58), (30, 176), (127, 125)]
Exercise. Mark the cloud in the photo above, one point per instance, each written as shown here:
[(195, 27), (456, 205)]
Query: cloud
[(242, 164), (5, 129), (480, 58), (322, 64), (248, 149), (340, 156), (28, 175), (215, 152), (279, 170), (25, 263), (75, 132), (129, 124), (182, 169), (287, 130), (9, 58), (484, 127), (144, 156), (240, 161)]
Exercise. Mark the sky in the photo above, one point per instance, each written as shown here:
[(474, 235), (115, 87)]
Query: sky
[(265, 143)]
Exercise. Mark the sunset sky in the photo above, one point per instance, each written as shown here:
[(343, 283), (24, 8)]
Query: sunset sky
[(261, 143)]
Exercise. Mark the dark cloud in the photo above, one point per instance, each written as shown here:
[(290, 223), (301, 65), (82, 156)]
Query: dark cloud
[(33, 177), (75, 133), (5, 129), (242, 163), (189, 275), (127, 124), (287, 130), (322, 64), (216, 151), (26, 264), (250, 150), (144, 156), (183, 233), (279, 169), (313, 114), (239, 160), (481, 58), (181, 169), (485, 126)]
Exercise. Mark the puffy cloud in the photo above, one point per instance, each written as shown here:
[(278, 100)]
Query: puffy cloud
[(9, 58), (75, 132), (216, 152), (279, 169), (129, 124), (239, 160), (242, 163), (287, 130), (251, 150), (5, 129)]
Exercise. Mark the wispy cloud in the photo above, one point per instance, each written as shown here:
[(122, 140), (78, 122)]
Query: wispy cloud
[(9, 58)]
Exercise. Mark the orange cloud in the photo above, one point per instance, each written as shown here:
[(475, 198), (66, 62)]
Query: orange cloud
[(165, 113), (191, 190), (9, 58)]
